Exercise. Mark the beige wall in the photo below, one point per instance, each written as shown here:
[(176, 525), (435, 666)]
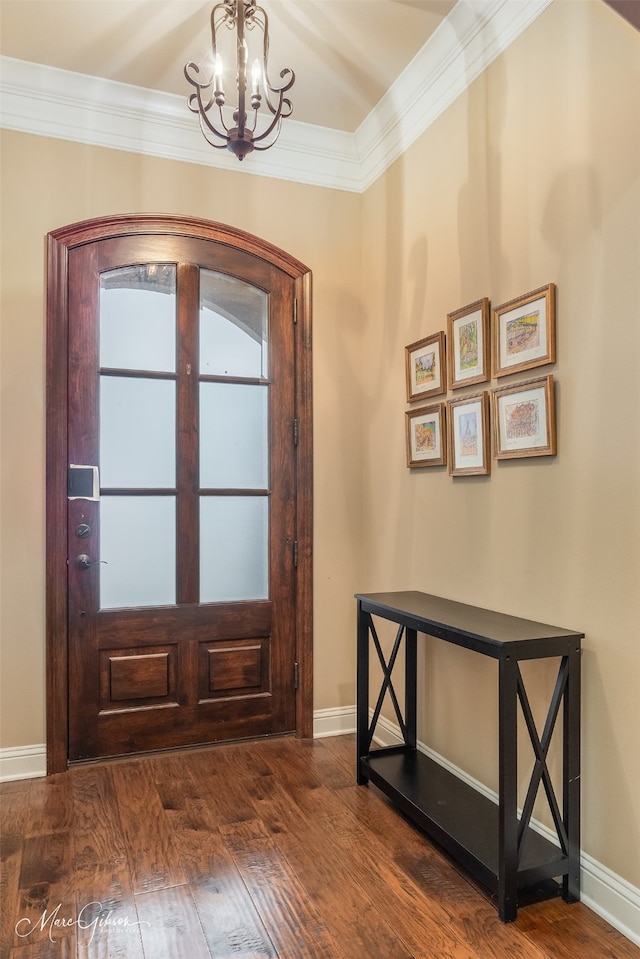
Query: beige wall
[(531, 177)]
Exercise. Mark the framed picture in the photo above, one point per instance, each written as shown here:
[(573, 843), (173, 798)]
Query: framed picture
[(468, 344), (524, 419), (469, 442), (426, 367), (524, 332), (426, 436)]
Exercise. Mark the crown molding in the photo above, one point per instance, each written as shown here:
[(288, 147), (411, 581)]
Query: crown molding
[(474, 34), (49, 102)]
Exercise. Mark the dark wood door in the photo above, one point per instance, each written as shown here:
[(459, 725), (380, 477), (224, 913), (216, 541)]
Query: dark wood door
[(182, 583)]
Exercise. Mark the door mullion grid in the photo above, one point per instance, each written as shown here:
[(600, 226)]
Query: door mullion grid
[(187, 432)]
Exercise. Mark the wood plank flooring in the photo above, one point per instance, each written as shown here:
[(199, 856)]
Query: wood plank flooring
[(260, 850)]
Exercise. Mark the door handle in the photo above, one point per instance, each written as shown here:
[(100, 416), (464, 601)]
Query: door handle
[(82, 561)]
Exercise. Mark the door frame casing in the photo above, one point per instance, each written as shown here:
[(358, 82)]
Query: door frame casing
[(59, 243)]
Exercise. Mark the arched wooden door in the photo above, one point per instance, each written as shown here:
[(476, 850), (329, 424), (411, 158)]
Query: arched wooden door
[(178, 488)]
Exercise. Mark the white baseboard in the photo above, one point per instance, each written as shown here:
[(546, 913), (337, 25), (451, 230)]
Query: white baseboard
[(613, 898), (28, 762), (334, 722), (23, 762), (607, 894)]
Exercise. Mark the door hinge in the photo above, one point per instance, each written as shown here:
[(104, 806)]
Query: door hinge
[(295, 553), (295, 431), (295, 312), (295, 675)]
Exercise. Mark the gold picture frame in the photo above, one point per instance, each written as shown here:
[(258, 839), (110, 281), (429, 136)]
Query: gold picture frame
[(426, 367), (426, 436), (469, 438), (524, 332), (524, 419), (468, 347)]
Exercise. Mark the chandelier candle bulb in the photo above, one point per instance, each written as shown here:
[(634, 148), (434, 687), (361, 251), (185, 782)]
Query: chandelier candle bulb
[(255, 86), (255, 77), (218, 90)]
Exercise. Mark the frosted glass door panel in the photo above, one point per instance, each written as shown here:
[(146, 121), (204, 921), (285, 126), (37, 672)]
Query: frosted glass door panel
[(234, 548), (137, 433), (138, 318), (233, 436), (233, 326), (137, 551)]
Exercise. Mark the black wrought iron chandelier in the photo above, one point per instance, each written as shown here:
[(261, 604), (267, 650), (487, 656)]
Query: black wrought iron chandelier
[(236, 132)]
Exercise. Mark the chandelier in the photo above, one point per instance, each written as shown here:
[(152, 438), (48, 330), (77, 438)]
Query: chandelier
[(235, 131)]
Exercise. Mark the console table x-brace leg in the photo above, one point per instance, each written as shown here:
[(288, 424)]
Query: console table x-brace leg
[(387, 683), (540, 750)]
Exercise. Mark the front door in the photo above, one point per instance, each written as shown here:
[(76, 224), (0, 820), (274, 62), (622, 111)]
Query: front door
[(182, 516)]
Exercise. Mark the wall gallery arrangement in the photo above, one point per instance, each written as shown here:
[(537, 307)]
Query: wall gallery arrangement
[(518, 418)]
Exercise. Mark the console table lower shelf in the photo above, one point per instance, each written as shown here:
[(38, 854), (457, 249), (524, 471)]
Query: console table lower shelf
[(462, 820)]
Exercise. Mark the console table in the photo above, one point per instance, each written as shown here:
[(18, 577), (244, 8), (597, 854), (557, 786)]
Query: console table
[(490, 840)]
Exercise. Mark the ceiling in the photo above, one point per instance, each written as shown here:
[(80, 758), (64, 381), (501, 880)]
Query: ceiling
[(345, 53)]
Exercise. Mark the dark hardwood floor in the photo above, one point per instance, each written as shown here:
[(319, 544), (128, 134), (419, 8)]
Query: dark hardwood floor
[(248, 851)]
